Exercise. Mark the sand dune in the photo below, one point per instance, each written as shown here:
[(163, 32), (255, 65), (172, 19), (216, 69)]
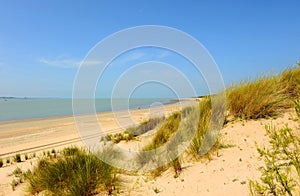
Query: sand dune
[(226, 174)]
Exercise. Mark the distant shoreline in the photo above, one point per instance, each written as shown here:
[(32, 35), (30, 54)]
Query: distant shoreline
[(7, 113)]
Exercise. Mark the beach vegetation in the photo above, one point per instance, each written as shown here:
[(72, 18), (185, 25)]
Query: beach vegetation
[(281, 173), (175, 130), (1, 162), (14, 183), (17, 172), (267, 96), (77, 172), (205, 141), (133, 131), (70, 151), (18, 179), (145, 126), (17, 158), (117, 137)]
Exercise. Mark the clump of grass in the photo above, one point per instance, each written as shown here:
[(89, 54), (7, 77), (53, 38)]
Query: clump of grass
[(134, 131), (14, 183), (8, 161), (70, 151), (19, 178), (117, 137), (210, 122), (26, 157), (281, 173), (17, 172), (76, 173), (267, 96), (257, 99), (168, 128), (175, 131), (17, 158), (290, 79), (1, 162), (145, 126), (204, 121), (176, 164)]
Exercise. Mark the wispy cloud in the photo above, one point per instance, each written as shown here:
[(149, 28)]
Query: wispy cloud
[(68, 62), (143, 56), (133, 56)]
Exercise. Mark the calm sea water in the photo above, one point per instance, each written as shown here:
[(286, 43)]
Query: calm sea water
[(31, 108)]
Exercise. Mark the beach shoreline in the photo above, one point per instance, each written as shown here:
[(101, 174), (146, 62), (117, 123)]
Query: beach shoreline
[(37, 135)]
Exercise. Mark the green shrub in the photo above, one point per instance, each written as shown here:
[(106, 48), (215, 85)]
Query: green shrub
[(281, 173), (1, 162), (17, 158), (76, 173)]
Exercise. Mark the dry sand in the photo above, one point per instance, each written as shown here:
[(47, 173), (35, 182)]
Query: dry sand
[(41, 135), (226, 174)]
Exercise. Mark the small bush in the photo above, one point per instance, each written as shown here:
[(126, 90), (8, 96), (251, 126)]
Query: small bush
[(17, 158), (281, 173), (1, 162), (26, 157), (8, 161)]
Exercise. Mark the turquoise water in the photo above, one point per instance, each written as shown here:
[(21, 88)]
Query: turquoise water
[(32, 108)]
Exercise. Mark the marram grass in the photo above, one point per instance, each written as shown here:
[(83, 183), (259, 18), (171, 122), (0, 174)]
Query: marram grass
[(267, 96), (76, 172)]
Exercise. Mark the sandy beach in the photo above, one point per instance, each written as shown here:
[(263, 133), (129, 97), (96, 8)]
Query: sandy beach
[(227, 173), (29, 136)]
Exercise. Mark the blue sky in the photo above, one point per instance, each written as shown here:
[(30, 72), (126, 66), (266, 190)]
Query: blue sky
[(43, 42)]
